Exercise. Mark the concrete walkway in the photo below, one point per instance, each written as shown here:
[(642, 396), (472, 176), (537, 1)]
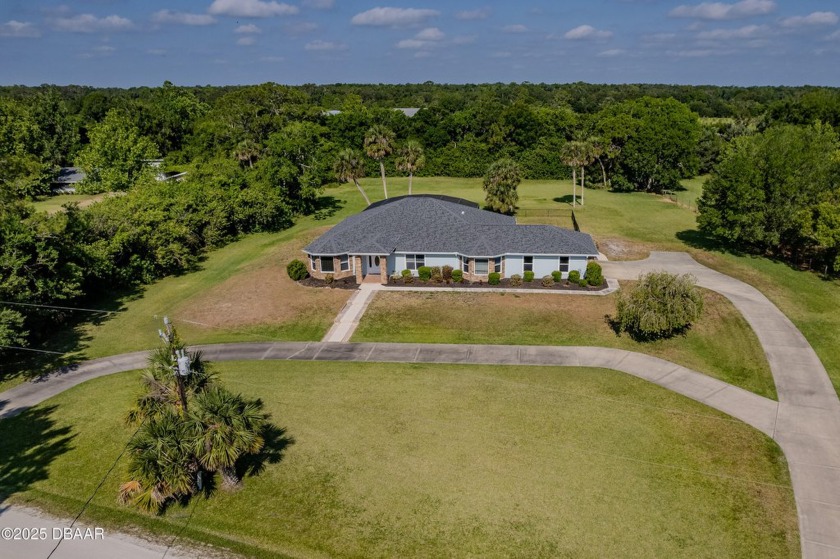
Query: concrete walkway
[(348, 318)]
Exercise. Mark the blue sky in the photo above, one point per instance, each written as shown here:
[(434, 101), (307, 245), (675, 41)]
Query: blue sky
[(126, 43)]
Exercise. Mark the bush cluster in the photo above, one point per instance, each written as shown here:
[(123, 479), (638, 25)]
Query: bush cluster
[(297, 270), (659, 306)]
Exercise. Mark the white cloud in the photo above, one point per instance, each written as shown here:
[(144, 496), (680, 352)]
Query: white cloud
[(246, 41), (13, 28), (721, 10), (393, 16), (834, 36), (182, 18), (89, 23), (251, 8), (611, 52), (587, 32), (515, 28), (815, 18), (247, 29), (428, 37), (472, 15), (325, 46), (746, 32), (319, 4), (430, 34)]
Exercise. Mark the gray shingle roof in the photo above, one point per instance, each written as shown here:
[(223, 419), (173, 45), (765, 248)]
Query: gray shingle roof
[(428, 224), (69, 175)]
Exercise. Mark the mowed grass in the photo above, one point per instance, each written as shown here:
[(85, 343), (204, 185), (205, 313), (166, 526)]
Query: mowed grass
[(52, 204), (414, 460), (721, 344)]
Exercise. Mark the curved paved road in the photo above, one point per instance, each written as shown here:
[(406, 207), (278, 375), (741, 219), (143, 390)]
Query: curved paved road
[(805, 422)]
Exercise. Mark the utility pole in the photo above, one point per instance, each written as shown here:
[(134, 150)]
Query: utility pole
[(181, 368)]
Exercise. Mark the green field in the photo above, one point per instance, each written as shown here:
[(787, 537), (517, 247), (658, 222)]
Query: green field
[(721, 344), (52, 204), (388, 460)]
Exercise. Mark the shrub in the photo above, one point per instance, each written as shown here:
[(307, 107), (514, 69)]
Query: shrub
[(405, 274), (409, 279), (547, 281), (583, 282), (515, 280), (529, 276), (424, 272), (329, 278), (659, 306), (557, 276), (446, 272), (436, 271), (437, 278), (493, 278), (593, 275), (457, 276), (574, 277), (297, 270)]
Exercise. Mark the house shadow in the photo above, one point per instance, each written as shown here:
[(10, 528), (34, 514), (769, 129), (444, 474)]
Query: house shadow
[(31, 441), (703, 241)]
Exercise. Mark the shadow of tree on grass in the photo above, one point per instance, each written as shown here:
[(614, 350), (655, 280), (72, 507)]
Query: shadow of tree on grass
[(31, 441)]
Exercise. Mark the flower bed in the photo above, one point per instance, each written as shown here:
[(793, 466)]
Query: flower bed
[(505, 283), (344, 283)]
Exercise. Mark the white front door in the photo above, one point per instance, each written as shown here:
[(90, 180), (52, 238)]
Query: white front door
[(373, 265)]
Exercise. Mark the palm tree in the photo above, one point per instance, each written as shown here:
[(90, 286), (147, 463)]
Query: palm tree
[(500, 183), (572, 155), (162, 465), (379, 143), (411, 159), (226, 427), (248, 151), (349, 167), (587, 156)]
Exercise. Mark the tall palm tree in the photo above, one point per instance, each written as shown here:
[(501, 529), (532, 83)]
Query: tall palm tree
[(379, 143), (349, 166), (226, 427), (500, 185), (572, 155), (587, 157), (411, 159)]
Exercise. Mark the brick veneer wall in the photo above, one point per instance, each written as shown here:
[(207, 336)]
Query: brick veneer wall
[(338, 274)]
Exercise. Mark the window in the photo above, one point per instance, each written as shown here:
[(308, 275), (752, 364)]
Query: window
[(414, 261), (327, 264), (481, 266), (345, 262), (465, 264), (528, 264), (312, 264), (564, 264), (497, 264)]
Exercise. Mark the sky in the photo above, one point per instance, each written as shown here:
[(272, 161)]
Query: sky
[(125, 43)]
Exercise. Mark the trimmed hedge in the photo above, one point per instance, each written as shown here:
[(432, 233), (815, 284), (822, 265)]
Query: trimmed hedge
[(493, 278), (457, 276), (425, 273), (557, 275), (574, 276), (594, 276), (528, 276)]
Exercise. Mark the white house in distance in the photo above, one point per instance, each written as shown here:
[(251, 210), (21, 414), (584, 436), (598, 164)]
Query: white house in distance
[(408, 232)]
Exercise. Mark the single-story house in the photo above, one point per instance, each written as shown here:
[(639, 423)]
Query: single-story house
[(66, 180), (408, 232)]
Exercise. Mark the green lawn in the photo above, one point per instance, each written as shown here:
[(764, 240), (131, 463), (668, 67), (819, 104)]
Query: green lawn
[(393, 460), (721, 344), (52, 204)]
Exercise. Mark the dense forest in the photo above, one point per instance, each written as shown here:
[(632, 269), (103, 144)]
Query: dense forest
[(258, 156)]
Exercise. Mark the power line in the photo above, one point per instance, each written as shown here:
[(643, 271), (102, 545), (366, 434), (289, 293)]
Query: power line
[(57, 307), (30, 349)]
